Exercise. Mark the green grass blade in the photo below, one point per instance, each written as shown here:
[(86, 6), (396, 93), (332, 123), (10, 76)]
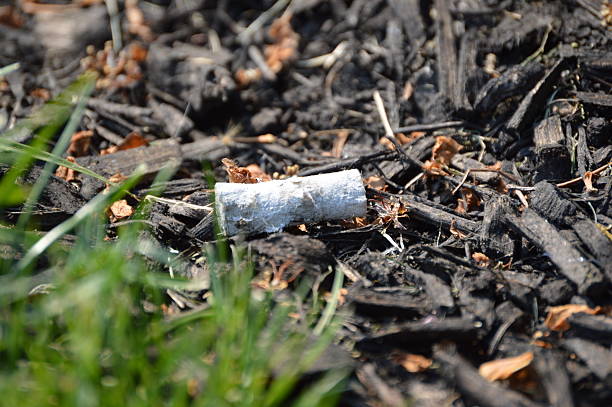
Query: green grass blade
[(5, 70), (58, 151), (330, 308), (12, 146)]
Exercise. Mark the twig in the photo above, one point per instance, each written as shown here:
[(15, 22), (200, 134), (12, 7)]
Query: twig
[(577, 179), (431, 126), (260, 61), (471, 170), (389, 135), (115, 24), (245, 36), (521, 197)]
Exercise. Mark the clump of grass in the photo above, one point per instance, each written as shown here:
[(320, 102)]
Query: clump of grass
[(83, 322)]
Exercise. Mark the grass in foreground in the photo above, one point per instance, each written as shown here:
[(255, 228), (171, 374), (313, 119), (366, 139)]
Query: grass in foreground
[(95, 334)]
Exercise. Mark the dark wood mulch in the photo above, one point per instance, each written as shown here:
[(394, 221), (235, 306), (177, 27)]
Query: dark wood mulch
[(459, 267)]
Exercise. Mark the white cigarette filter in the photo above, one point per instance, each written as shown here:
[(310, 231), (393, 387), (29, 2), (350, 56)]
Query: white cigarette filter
[(270, 206)]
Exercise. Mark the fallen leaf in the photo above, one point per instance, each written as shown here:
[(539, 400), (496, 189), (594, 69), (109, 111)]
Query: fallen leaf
[(375, 182), (238, 175), (501, 369), (258, 173), (501, 186), (481, 259), (456, 232), (136, 21), (556, 319), (115, 70), (433, 168), (407, 91), (284, 48), (444, 150), (79, 143), (65, 172), (132, 140), (9, 16), (469, 202), (41, 93), (494, 167), (339, 142), (387, 143), (405, 139), (354, 223), (413, 363), (115, 179), (588, 181), (244, 77), (120, 210)]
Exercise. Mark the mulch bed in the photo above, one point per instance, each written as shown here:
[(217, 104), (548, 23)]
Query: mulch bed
[(489, 198)]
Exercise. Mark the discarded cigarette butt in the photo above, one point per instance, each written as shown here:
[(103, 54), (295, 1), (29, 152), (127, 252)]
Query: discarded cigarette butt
[(270, 206)]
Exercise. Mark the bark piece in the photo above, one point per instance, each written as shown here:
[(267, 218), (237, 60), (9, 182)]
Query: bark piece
[(597, 358), (554, 378), (381, 302), (517, 80), (567, 258), (422, 334), (475, 387), (535, 101), (156, 156)]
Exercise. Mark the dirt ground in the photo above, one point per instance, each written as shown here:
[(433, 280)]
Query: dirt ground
[(481, 274)]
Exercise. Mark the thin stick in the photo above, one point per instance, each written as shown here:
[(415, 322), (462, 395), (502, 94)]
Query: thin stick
[(389, 135), (430, 127), (471, 170), (383, 114), (245, 36), (578, 179)]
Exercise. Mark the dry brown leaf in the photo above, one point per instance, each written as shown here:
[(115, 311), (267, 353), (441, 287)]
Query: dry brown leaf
[(407, 91), (481, 259), (137, 53), (67, 174), (588, 181), (354, 223), (412, 362), (284, 49), (444, 149), (387, 143), (469, 202), (136, 21), (238, 175), (495, 167), (119, 210), (502, 369), (375, 182), (405, 139), (132, 140), (258, 173), (339, 142), (244, 77), (556, 319), (9, 16), (116, 178), (433, 168), (79, 143), (41, 93), (501, 186), (456, 232), (115, 70)]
